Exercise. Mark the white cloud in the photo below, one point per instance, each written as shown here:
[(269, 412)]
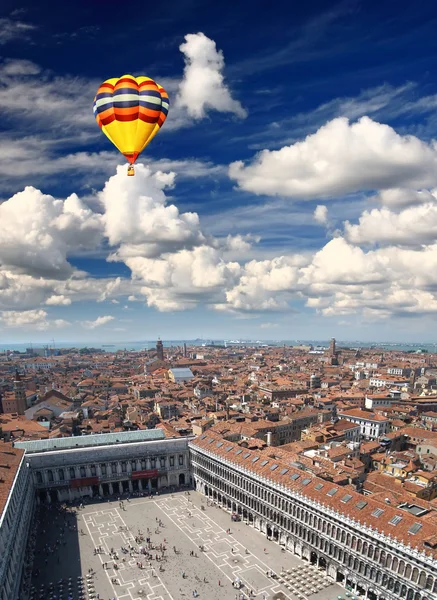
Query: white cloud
[(180, 280), (37, 232), (30, 319), (175, 266), (401, 198), (269, 325), (99, 322), (203, 87), (321, 214), (414, 226), (58, 301), (138, 219), (11, 29), (13, 67), (341, 158)]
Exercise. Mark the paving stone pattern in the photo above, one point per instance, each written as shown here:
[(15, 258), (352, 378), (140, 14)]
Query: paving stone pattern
[(243, 554)]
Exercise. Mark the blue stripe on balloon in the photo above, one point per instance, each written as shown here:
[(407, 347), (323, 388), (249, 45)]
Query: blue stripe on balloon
[(150, 105), (150, 93), (119, 91), (104, 95), (104, 107), (125, 104)]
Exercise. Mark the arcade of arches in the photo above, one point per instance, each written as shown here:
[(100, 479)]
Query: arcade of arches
[(371, 567)]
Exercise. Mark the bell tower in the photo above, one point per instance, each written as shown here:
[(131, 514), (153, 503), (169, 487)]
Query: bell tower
[(159, 350), (20, 394)]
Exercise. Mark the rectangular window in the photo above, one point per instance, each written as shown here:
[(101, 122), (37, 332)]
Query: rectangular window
[(162, 462), (93, 470), (82, 472), (153, 462), (133, 465), (171, 461), (103, 469), (181, 459), (123, 467), (415, 528)]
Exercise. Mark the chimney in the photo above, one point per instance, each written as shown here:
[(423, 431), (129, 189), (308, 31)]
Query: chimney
[(269, 438)]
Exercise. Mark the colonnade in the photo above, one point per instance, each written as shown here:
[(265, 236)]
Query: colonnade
[(348, 555)]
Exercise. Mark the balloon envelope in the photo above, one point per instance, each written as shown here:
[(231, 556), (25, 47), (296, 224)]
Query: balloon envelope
[(130, 111)]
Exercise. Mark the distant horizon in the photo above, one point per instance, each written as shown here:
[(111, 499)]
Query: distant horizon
[(73, 343)]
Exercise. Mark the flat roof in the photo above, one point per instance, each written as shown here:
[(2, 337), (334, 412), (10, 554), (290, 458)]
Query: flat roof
[(97, 439), (182, 372)]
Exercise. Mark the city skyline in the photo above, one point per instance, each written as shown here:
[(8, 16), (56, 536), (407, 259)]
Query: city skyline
[(291, 194)]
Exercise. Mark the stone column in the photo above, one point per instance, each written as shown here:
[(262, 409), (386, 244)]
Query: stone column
[(131, 489), (100, 489), (120, 487), (111, 488), (140, 485)]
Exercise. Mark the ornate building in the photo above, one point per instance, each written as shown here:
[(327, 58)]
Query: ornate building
[(381, 551), (105, 464)]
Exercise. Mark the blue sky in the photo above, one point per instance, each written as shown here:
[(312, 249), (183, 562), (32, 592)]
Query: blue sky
[(291, 193)]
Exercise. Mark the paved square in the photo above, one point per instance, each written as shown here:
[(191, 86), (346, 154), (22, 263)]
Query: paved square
[(73, 543)]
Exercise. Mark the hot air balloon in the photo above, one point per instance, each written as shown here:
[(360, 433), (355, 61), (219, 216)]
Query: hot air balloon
[(130, 111)]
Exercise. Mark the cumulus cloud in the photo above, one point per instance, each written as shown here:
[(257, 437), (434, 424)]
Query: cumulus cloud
[(261, 283), (321, 214), (414, 226), (99, 322), (30, 319), (58, 301), (37, 232), (138, 219), (180, 280), (203, 87), (174, 265), (341, 158), (401, 198)]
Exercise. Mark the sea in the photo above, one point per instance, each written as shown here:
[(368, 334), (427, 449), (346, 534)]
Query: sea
[(137, 346)]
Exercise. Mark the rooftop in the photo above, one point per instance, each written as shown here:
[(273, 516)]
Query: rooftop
[(10, 459), (84, 441)]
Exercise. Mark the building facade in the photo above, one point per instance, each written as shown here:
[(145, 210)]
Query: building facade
[(363, 556), (16, 517), (116, 466), (382, 551)]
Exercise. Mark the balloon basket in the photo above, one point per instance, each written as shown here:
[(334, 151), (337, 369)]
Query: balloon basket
[(130, 171)]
